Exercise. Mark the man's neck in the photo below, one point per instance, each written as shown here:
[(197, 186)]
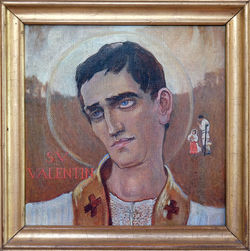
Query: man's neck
[(138, 183)]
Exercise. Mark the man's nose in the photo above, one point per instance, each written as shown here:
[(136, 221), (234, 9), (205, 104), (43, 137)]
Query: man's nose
[(114, 125)]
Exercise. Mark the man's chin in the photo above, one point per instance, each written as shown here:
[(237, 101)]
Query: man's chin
[(125, 162), (125, 157)]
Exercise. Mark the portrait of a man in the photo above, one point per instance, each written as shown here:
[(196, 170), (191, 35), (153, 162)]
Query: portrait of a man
[(124, 96)]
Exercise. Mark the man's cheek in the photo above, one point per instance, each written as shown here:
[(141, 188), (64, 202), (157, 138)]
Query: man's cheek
[(103, 137), (98, 129)]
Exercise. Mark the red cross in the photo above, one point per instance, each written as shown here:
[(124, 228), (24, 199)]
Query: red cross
[(172, 209), (92, 206)]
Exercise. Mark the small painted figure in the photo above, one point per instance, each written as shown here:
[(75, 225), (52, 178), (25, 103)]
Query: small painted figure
[(204, 126), (194, 147)]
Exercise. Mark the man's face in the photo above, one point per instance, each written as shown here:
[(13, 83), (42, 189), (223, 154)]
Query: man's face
[(124, 118)]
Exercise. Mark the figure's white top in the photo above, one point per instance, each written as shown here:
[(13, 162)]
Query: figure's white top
[(193, 137), (203, 125)]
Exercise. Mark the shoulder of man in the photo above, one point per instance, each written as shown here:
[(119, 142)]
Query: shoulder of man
[(58, 211), (204, 215), (90, 185), (90, 207)]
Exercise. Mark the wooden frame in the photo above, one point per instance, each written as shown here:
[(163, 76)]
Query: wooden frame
[(233, 14)]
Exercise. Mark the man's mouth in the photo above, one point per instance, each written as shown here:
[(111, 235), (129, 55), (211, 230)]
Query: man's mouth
[(122, 142)]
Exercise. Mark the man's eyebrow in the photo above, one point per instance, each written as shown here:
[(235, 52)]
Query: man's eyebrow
[(121, 96), (112, 100), (92, 107)]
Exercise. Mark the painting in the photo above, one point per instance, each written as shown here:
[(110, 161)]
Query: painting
[(125, 125)]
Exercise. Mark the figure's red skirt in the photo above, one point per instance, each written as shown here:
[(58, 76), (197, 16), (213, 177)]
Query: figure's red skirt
[(193, 148)]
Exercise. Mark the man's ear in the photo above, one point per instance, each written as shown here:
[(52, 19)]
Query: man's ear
[(164, 102)]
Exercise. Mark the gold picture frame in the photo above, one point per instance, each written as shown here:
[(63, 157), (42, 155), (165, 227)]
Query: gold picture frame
[(233, 14)]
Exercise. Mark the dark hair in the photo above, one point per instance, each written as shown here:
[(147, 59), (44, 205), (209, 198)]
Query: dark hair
[(140, 63), (200, 116)]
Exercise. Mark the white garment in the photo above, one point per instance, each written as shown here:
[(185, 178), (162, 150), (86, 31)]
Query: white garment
[(131, 213), (193, 137), (59, 211), (204, 127), (203, 124), (204, 216)]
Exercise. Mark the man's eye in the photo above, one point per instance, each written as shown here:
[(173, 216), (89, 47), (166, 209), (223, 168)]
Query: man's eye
[(126, 104), (95, 115)]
